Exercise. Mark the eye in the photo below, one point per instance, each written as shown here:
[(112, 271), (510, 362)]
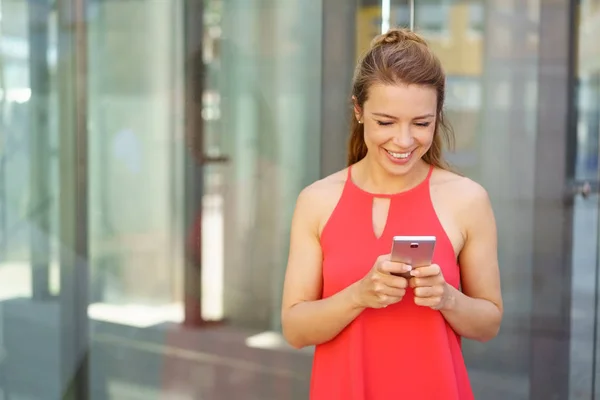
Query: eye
[(382, 123), (423, 124)]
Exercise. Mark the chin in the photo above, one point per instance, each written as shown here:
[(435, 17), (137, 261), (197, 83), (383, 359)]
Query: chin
[(397, 170)]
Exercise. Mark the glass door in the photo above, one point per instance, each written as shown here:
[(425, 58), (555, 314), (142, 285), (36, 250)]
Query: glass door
[(43, 248), (584, 380), (587, 168)]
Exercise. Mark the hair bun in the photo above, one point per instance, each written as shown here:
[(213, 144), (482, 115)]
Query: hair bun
[(395, 36)]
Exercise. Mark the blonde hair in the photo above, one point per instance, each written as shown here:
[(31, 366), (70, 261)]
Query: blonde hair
[(400, 56)]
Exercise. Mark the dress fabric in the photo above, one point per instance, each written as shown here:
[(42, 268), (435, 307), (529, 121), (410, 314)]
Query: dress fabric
[(403, 351)]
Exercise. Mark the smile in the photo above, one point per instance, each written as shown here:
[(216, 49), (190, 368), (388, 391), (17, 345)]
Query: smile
[(399, 156)]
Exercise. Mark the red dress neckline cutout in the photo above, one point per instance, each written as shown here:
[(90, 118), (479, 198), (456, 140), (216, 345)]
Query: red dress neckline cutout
[(419, 186)]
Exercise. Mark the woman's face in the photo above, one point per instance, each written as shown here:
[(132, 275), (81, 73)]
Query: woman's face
[(399, 124)]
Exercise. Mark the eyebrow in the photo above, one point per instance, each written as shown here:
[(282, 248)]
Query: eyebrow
[(392, 117)]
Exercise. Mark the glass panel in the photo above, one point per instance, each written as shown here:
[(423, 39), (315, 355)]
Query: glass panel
[(373, 16), (28, 141), (260, 107), (489, 51), (29, 190), (135, 68), (584, 379), (270, 124), (136, 188), (259, 147)]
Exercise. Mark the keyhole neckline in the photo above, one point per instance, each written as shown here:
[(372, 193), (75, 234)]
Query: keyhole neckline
[(423, 183)]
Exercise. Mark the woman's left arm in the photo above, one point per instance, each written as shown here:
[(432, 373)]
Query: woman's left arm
[(476, 312)]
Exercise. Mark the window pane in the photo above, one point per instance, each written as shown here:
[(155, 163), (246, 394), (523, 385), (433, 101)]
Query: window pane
[(584, 377), (30, 313), (135, 120), (490, 58)]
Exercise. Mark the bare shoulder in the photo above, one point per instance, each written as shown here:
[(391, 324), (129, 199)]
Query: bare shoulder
[(317, 201), (466, 201), (464, 192)]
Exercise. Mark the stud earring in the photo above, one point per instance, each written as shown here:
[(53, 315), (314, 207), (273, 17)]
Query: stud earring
[(360, 121)]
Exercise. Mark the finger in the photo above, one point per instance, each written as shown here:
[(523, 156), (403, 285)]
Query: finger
[(428, 291), (385, 301), (394, 267), (384, 290), (394, 292), (394, 299), (429, 270), (427, 301), (384, 257), (394, 281), (422, 282)]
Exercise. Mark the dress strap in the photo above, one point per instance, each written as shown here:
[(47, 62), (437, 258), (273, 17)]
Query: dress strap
[(349, 185), (431, 168)]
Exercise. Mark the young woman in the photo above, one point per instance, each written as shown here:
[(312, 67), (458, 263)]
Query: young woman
[(380, 336)]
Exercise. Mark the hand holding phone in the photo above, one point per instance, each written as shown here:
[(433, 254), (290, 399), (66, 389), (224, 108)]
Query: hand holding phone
[(416, 251), (382, 286), (431, 289), (427, 280)]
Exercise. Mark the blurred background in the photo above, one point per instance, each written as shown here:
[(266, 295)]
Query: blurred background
[(151, 152)]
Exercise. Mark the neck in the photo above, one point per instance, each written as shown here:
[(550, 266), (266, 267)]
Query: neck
[(370, 176)]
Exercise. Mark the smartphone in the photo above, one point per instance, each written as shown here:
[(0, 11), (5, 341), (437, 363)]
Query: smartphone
[(416, 251)]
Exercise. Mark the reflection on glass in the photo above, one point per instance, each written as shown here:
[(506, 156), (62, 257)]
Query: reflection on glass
[(28, 158), (135, 185), (584, 364), (270, 123), (485, 99), (29, 189), (588, 78), (432, 17), (261, 120), (375, 16)]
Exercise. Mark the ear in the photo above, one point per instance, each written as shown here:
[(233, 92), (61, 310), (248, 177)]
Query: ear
[(357, 109)]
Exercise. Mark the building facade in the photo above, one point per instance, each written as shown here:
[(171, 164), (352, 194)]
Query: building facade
[(151, 153)]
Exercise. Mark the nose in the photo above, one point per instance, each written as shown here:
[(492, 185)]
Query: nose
[(403, 138)]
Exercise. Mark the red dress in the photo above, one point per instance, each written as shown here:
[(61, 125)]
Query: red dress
[(403, 351)]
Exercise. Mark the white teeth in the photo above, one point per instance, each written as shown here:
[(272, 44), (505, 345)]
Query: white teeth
[(399, 155)]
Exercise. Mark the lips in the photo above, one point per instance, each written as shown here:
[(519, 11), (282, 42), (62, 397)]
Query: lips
[(399, 156)]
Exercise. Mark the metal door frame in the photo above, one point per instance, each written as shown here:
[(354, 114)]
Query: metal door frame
[(193, 167), (553, 211), (74, 251)]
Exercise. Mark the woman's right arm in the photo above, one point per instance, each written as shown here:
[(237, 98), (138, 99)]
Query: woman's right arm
[(306, 318)]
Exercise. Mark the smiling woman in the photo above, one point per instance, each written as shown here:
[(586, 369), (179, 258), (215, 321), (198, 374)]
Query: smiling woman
[(342, 290), (409, 64), (411, 129)]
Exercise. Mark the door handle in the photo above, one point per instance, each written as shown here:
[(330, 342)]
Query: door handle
[(206, 159), (584, 188)]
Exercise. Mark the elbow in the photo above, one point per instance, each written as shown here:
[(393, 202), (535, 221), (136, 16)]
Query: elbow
[(295, 343), (293, 339), (290, 334), (488, 335), (492, 330)]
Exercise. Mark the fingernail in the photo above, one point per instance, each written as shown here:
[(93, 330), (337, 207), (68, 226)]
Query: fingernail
[(414, 272), (408, 268)]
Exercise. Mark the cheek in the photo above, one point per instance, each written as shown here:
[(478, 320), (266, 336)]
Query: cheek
[(425, 136), (376, 135)]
